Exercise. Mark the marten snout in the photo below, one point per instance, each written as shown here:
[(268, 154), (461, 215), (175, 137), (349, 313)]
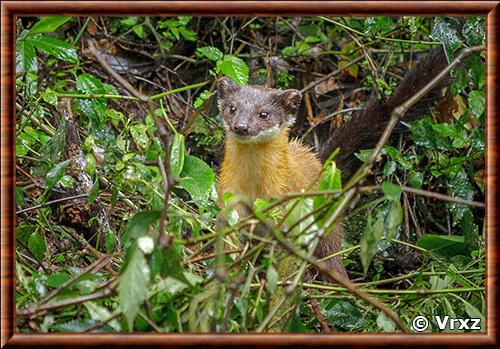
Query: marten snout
[(241, 128)]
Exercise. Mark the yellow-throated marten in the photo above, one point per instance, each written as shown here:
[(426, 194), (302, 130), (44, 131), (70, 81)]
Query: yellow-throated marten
[(260, 161)]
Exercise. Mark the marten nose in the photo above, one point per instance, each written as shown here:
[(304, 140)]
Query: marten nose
[(241, 128)]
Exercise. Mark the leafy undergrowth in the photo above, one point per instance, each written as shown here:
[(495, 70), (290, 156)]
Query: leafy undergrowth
[(95, 250)]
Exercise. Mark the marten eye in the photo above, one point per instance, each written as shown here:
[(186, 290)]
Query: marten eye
[(232, 109), (264, 115)]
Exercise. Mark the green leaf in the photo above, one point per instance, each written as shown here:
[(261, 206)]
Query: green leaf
[(139, 30), (48, 24), (235, 68), (206, 94), (54, 175), (177, 154), (343, 315), (364, 155), (386, 324), (140, 135), (302, 207), (94, 108), (36, 245), (386, 224), (272, 278), (443, 245), (473, 30), (57, 279), (212, 53), (197, 178), (477, 103), (391, 191), (55, 47), (93, 192), (49, 96), (25, 57), (416, 179), (460, 187), (188, 34), (133, 286), (100, 313), (331, 180), (389, 168), (110, 241), (138, 225)]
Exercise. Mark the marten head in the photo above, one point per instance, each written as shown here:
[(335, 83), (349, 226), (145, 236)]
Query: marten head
[(254, 113)]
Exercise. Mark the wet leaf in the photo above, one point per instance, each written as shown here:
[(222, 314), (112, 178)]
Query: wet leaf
[(443, 245), (197, 178), (177, 154), (132, 289), (55, 47), (210, 52), (25, 57), (235, 68), (48, 24), (37, 246)]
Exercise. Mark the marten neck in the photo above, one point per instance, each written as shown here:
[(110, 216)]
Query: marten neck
[(256, 170)]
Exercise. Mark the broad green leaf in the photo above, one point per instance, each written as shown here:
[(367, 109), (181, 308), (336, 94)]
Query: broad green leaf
[(443, 245), (100, 313), (50, 96), (168, 285), (37, 246), (391, 191), (25, 56), (57, 279), (460, 187), (88, 83), (48, 24), (90, 164), (54, 175), (331, 180), (55, 47), (94, 108), (416, 179), (212, 53), (133, 286), (235, 68), (477, 103), (138, 225), (188, 34), (389, 168), (343, 315), (177, 153), (386, 224), (197, 178), (301, 208), (140, 135), (138, 30)]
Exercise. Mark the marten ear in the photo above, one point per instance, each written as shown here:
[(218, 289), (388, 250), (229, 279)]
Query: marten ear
[(225, 86), (290, 100)]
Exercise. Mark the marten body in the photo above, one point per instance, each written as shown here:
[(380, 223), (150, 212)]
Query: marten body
[(267, 169), (261, 162)]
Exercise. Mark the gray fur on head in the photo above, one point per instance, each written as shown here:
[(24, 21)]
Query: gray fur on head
[(249, 111)]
